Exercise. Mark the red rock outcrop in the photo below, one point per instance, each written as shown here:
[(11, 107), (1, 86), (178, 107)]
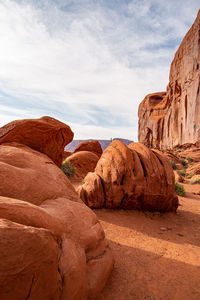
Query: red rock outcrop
[(171, 118), (92, 146), (173, 158), (29, 263), (84, 162), (66, 154), (132, 177), (52, 245), (46, 135), (194, 169), (193, 154)]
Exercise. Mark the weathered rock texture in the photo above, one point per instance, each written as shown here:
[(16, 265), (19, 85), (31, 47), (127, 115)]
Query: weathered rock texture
[(84, 162), (132, 177), (46, 135), (171, 118), (52, 245), (92, 146)]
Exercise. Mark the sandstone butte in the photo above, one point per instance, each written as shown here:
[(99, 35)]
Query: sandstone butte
[(52, 245), (132, 177), (171, 118)]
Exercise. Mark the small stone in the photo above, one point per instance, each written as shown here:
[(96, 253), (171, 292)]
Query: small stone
[(163, 228), (180, 234), (169, 228)]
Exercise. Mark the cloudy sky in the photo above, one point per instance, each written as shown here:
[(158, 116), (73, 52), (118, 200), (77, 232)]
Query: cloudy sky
[(88, 63)]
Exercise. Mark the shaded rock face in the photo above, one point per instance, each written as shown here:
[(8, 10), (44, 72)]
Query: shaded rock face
[(66, 154), (92, 146), (84, 162), (52, 245), (132, 177), (171, 118), (46, 135)]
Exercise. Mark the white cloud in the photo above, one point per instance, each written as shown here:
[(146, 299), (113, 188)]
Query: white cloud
[(63, 61)]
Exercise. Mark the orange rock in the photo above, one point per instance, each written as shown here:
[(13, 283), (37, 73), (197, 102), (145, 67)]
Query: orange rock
[(92, 146), (194, 169), (51, 244), (31, 176), (46, 135), (84, 162), (132, 177), (29, 263), (171, 118), (193, 154), (173, 158), (66, 154)]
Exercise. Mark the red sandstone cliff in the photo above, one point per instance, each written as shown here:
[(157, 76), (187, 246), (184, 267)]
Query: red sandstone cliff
[(169, 118)]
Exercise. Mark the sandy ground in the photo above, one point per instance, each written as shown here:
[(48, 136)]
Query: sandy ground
[(157, 256)]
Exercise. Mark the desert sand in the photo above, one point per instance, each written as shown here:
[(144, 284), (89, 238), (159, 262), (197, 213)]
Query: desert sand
[(157, 256)]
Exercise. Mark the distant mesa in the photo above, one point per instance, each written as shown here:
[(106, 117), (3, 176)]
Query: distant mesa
[(104, 143), (171, 118)]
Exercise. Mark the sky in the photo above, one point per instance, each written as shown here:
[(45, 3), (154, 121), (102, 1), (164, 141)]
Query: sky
[(88, 63)]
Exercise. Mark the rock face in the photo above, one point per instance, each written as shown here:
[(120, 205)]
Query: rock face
[(132, 177), (52, 245), (29, 263), (91, 146), (171, 118), (46, 135), (84, 162)]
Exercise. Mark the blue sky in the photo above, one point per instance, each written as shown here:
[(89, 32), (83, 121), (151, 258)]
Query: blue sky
[(88, 63)]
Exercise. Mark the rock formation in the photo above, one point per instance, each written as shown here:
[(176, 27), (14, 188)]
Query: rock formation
[(171, 118), (83, 162), (52, 245), (132, 177), (92, 146), (46, 135)]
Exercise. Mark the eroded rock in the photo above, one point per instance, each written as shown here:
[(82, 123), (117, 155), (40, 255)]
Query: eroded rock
[(46, 135), (171, 118), (52, 245), (132, 177), (92, 146), (84, 162)]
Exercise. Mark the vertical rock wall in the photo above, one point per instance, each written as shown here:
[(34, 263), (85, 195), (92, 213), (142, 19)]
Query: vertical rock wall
[(171, 118)]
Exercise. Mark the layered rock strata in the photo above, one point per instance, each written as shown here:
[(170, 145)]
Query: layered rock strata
[(171, 118), (132, 177)]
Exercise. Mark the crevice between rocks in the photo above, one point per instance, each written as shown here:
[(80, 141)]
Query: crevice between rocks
[(30, 289)]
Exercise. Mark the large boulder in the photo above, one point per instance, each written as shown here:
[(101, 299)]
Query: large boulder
[(84, 162), (92, 146), (46, 135), (29, 263), (52, 245), (171, 118), (31, 176), (132, 177)]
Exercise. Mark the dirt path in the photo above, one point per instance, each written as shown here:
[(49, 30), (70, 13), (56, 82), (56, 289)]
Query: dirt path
[(157, 256)]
